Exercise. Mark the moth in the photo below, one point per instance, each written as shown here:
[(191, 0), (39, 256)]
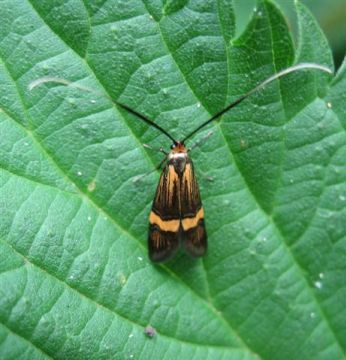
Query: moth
[(177, 216), (176, 220)]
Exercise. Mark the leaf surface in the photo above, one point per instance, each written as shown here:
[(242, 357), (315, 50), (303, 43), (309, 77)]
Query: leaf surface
[(75, 281)]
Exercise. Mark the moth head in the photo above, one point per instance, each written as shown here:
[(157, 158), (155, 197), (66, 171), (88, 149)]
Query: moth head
[(178, 147)]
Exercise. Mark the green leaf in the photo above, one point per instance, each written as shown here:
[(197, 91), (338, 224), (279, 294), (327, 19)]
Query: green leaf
[(75, 281)]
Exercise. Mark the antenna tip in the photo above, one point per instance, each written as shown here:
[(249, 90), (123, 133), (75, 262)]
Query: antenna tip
[(313, 66)]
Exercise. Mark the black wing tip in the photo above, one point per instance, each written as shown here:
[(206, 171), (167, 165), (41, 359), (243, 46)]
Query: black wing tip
[(195, 240), (162, 245), (160, 257)]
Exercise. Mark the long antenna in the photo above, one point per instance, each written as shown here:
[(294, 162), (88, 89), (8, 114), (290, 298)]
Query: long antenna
[(259, 86), (51, 79), (145, 119)]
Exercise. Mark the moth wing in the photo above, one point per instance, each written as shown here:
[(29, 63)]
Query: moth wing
[(164, 220), (193, 231)]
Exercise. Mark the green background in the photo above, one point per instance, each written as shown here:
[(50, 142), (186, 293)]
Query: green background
[(331, 16), (75, 280)]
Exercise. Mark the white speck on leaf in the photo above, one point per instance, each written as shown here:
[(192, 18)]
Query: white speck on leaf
[(321, 125), (92, 186), (318, 148), (325, 213), (122, 279), (71, 101), (243, 143), (318, 284), (329, 105)]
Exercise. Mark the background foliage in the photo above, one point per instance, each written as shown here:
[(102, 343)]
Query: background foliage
[(331, 16), (75, 281)]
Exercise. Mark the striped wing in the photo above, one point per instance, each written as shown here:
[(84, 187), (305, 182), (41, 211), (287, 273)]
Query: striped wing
[(164, 220), (193, 232)]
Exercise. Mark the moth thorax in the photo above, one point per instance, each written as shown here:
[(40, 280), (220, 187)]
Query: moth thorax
[(178, 160)]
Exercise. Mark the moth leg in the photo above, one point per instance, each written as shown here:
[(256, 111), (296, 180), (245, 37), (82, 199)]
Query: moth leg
[(202, 175), (208, 178), (200, 141), (158, 150)]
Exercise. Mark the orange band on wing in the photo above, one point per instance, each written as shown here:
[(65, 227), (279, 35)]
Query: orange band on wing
[(164, 225), (189, 223)]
